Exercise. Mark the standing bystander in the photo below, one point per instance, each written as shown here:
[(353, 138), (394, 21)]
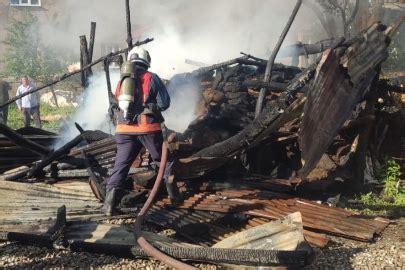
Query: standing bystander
[(29, 104)]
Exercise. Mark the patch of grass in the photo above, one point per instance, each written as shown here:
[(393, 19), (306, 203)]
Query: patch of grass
[(391, 200), (15, 117)]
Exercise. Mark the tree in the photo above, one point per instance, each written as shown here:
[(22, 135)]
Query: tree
[(25, 54), (328, 22), (347, 9)]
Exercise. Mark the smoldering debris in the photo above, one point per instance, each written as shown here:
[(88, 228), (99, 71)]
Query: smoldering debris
[(235, 172)]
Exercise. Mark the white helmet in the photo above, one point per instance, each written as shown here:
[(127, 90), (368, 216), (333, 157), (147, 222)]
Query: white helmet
[(139, 55)]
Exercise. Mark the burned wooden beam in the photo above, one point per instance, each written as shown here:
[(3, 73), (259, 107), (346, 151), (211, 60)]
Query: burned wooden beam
[(55, 155), (92, 39), (85, 54), (111, 99), (18, 139), (272, 86), (128, 20), (84, 60), (291, 113), (54, 96), (270, 63), (44, 240), (275, 108), (263, 63), (83, 72), (95, 180), (203, 70)]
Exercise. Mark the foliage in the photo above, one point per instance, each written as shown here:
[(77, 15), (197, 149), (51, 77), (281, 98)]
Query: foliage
[(15, 117), (346, 9), (25, 54), (389, 175), (396, 59), (392, 196)]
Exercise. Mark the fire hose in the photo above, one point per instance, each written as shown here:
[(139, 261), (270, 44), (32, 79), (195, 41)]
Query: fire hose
[(259, 257), (140, 239)]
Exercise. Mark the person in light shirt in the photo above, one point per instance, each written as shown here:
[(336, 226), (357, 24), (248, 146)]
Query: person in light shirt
[(29, 104)]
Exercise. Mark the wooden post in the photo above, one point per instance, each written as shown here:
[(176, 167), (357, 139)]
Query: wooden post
[(85, 55), (54, 96), (128, 16), (106, 65), (270, 63), (83, 72), (92, 38)]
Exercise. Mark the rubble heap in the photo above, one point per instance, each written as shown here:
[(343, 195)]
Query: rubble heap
[(236, 172)]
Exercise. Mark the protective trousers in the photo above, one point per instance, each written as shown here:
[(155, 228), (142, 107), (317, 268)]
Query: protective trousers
[(128, 147)]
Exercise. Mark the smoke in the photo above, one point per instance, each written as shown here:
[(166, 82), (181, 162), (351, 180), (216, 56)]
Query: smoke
[(207, 31), (92, 113), (184, 94)]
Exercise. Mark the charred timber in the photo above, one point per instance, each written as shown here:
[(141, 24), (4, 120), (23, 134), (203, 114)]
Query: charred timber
[(18, 139), (271, 112), (85, 59), (96, 182), (270, 63), (203, 70), (92, 39), (273, 86), (128, 20), (55, 155)]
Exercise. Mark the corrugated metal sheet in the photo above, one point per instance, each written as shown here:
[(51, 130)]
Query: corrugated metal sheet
[(338, 85), (272, 205)]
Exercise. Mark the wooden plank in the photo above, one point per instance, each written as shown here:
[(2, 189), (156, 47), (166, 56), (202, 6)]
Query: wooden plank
[(30, 203)]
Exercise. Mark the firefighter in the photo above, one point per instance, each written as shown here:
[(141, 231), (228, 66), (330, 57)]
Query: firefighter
[(142, 97)]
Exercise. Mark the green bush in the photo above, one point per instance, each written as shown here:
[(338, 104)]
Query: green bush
[(392, 197)]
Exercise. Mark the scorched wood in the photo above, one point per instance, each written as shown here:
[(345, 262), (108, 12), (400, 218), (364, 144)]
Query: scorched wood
[(339, 84), (23, 142), (271, 112), (55, 155)]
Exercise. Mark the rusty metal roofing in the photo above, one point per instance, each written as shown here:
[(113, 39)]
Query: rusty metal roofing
[(272, 205)]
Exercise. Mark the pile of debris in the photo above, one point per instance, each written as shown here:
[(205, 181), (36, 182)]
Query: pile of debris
[(236, 171)]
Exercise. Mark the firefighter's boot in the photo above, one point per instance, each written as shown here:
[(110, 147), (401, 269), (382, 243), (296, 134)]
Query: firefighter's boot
[(112, 200), (173, 191)]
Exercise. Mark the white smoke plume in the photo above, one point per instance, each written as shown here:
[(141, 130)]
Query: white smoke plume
[(207, 31), (92, 113)]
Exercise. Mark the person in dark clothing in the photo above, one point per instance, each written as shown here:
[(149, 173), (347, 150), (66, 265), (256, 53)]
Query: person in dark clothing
[(143, 129), (4, 96)]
